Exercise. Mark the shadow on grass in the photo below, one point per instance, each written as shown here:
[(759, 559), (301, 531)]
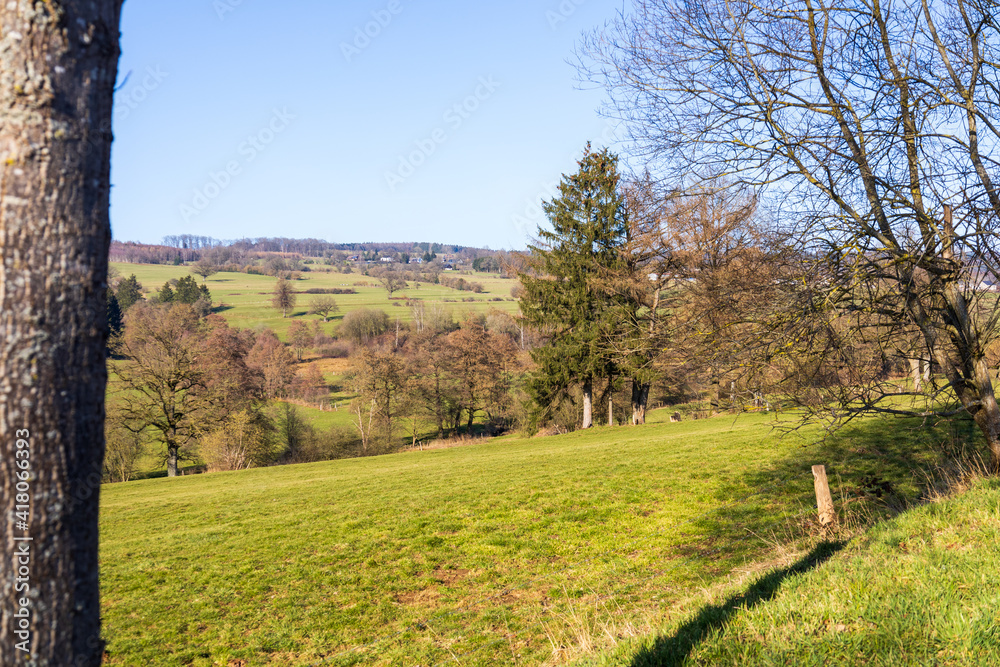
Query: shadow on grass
[(877, 467), (673, 650)]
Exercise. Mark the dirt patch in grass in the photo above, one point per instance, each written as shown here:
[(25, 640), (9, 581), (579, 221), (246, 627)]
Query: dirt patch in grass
[(424, 597), (449, 577)]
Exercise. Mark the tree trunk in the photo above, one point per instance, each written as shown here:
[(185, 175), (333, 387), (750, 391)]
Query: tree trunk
[(640, 398), (714, 393), (58, 75), (588, 403), (438, 403), (172, 461), (915, 374), (611, 411)]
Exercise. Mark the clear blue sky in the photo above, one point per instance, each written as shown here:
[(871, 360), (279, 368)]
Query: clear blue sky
[(450, 123)]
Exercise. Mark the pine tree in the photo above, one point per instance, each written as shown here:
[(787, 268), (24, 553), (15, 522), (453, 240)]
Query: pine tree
[(166, 294), (114, 314), (129, 292), (589, 226), (188, 290)]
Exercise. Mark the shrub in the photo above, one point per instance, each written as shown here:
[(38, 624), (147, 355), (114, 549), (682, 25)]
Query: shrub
[(333, 350), (329, 290), (362, 325), (246, 439)]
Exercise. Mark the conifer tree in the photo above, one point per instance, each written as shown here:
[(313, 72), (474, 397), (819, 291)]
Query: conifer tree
[(129, 292), (166, 293), (588, 229), (187, 290)]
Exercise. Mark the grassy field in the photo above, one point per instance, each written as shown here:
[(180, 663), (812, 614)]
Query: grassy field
[(246, 299), (918, 590), (507, 551), (246, 303)]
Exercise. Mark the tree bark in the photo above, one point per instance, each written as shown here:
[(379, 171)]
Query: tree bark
[(58, 66), (172, 461), (588, 403), (968, 375), (640, 398), (915, 374)]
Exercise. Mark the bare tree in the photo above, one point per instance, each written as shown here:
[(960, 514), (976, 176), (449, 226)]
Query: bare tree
[(283, 296), (379, 379), (636, 284), (392, 281), (876, 127), (59, 65), (273, 362), (204, 267), (299, 337), (164, 380), (125, 446), (323, 306)]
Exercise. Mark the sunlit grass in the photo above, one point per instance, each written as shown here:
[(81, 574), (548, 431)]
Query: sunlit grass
[(246, 299), (918, 590), (508, 551)]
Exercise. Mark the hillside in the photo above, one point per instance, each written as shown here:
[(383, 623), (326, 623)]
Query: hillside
[(920, 589), (502, 552), (245, 299)]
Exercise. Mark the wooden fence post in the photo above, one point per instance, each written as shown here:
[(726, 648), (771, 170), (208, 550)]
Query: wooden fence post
[(824, 502)]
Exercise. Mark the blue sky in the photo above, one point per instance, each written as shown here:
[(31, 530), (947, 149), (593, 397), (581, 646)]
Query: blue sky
[(384, 120)]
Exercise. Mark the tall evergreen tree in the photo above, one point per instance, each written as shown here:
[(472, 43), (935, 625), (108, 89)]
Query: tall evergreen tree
[(588, 229), (129, 292), (114, 314), (166, 293), (187, 290)]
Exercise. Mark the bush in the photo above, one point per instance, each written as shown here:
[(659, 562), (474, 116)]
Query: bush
[(246, 439), (333, 350), (362, 325), (303, 444), (329, 290), (337, 442), (123, 451)]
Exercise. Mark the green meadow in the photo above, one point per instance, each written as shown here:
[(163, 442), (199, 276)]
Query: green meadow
[(245, 299), (505, 551), (918, 590)]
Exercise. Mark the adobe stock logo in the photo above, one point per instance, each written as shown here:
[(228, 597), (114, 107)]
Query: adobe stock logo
[(223, 7), (218, 181), (454, 117), (363, 35), (129, 99), (565, 9)]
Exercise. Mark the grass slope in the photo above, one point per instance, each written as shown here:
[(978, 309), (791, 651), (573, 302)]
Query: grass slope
[(921, 589), (247, 298), (503, 552)]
